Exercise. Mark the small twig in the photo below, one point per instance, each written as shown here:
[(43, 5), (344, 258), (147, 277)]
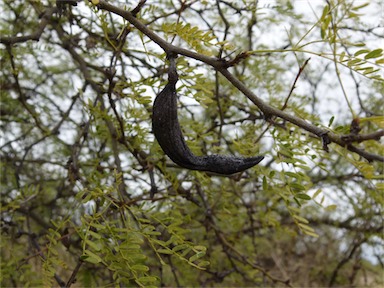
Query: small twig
[(138, 7), (239, 57), (153, 190), (72, 279), (294, 83)]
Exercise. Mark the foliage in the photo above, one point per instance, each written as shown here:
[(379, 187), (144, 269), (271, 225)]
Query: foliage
[(88, 196)]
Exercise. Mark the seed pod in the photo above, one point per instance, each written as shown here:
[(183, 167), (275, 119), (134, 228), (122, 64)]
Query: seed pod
[(167, 130)]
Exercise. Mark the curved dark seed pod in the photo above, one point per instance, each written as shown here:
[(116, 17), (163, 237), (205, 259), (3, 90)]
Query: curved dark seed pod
[(168, 133)]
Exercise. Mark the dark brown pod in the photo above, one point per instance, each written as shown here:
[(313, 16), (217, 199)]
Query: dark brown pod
[(166, 127)]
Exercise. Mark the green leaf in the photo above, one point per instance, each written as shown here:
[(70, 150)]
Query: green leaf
[(285, 152), (305, 227), (365, 168), (94, 234), (361, 44), (309, 233), (144, 220), (353, 15), (325, 25), (303, 196), (153, 233), (146, 279), (370, 70), (325, 13), (200, 248), (197, 256), (354, 62), (185, 252), (93, 245), (360, 6), (300, 219), (97, 226), (203, 263), (294, 209), (318, 191), (144, 100), (165, 251), (374, 54), (265, 183), (140, 268), (54, 233), (130, 246), (304, 167), (87, 198), (331, 207), (377, 77), (297, 186), (341, 58), (331, 121), (361, 51), (137, 257), (180, 247), (293, 175), (90, 257)]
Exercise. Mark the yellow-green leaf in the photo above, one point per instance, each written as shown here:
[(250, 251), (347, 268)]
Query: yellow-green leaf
[(303, 196), (306, 227), (164, 251), (301, 219), (139, 267), (309, 233), (342, 55), (94, 234), (197, 256), (361, 51), (360, 6), (95, 246), (203, 263), (374, 54), (332, 207), (91, 257), (325, 13)]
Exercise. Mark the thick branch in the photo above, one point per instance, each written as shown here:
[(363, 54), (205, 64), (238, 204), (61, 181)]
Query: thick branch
[(363, 137)]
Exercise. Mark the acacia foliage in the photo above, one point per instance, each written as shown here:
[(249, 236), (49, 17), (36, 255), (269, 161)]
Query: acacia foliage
[(88, 196)]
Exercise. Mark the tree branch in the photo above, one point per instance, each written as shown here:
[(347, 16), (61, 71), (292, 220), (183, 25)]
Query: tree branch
[(222, 66), (35, 35)]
